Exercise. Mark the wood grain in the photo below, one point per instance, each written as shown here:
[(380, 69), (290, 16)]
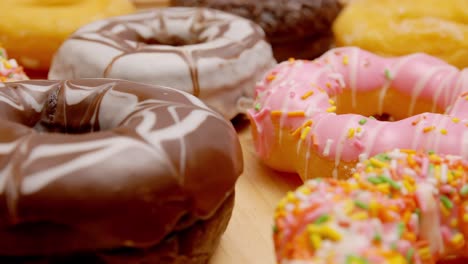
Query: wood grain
[(248, 238)]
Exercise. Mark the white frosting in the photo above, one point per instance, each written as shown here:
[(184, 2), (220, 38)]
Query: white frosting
[(222, 70)]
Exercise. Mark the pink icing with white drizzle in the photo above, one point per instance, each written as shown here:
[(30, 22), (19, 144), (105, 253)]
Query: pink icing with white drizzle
[(307, 86)]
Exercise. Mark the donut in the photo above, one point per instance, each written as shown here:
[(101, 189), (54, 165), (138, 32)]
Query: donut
[(392, 27), (401, 206), (316, 118), (110, 171), (295, 28), (32, 30), (141, 4), (216, 56), (9, 68)]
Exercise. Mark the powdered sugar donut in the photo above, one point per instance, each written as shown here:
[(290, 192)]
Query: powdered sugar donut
[(211, 54), (312, 117)]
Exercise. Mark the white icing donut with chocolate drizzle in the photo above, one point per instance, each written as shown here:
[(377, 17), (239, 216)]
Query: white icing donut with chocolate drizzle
[(99, 164), (211, 54)]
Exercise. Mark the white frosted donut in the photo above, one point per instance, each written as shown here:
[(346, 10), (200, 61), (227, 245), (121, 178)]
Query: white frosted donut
[(211, 54)]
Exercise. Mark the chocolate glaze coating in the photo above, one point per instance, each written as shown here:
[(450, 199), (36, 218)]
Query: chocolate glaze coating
[(304, 25), (98, 164)]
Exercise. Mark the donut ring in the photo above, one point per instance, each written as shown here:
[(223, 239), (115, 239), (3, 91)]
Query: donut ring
[(302, 121), (392, 27), (33, 30), (399, 207), (116, 166), (216, 56)]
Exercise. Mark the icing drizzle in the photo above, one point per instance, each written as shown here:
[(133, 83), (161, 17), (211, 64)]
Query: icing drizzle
[(319, 88)]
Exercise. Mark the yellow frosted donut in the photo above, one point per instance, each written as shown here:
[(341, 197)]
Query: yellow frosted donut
[(32, 30), (400, 27)]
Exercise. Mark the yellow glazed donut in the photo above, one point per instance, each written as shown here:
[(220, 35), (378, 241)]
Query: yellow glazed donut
[(400, 27), (32, 30)]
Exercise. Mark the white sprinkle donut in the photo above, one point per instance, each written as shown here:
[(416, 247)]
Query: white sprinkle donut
[(211, 54)]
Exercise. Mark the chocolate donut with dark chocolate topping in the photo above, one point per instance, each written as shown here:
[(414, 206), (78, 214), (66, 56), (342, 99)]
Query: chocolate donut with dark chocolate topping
[(295, 28), (112, 171)]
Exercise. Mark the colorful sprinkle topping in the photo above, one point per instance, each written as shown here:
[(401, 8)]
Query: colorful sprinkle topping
[(345, 60), (388, 74), (307, 95), (257, 107), (379, 214), (9, 69)]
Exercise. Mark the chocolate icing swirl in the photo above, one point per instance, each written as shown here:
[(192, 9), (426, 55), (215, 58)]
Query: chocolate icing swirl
[(211, 54), (118, 163)]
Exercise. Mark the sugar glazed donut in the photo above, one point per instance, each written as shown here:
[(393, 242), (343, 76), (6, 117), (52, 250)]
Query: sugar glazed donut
[(399, 207), (32, 30), (393, 27), (295, 28), (311, 117), (9, 68), (107, 171), (213, 55), (142, 4)]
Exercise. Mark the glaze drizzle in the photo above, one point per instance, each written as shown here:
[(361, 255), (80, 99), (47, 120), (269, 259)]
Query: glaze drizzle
[(303, 97), (211, 54)]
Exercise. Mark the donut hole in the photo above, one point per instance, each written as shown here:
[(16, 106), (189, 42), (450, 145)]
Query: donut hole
[(46, 127), (159, 39), (392, 106), (172, 40), (384, 117), (81, 117)]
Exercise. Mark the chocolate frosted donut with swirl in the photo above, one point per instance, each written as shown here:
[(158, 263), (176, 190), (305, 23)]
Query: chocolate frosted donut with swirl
[(211, 54), (107, 171)]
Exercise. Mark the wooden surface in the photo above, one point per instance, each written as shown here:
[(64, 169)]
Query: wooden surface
[(248, 236)]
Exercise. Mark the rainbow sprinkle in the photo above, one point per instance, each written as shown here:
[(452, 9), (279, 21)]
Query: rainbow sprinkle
[(380, 215), (9, 69)]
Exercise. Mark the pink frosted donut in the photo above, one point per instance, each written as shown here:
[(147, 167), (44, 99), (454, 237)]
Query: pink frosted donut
[(312, 117)]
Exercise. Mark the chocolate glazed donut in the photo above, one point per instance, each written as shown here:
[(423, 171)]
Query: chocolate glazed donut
[(295, 28), (108, 171), (214, 55)]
